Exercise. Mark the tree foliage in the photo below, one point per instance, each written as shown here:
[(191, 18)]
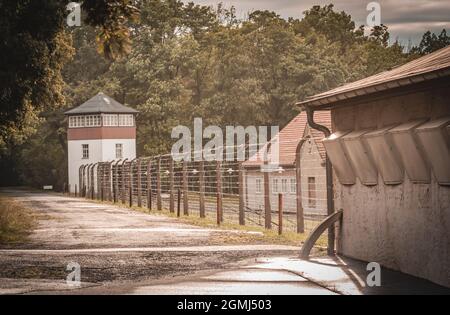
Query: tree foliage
[(431, 42), (184, 60)]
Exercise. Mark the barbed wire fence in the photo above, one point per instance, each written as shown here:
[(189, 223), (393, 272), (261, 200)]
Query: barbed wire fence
[(291, 198)]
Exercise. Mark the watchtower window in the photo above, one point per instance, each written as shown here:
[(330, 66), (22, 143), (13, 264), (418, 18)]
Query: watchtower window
[(119, 150), (110, 120), (126, 120), (85, 151)]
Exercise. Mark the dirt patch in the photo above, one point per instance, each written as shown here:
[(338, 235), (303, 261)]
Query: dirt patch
[(101, 267)]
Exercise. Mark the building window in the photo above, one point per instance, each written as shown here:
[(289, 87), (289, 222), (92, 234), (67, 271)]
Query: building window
[(80, 121), (76, 121), (110, 120), (312, 192), (275, 185), (119, 150), (258, 185), (126, 120), (85, 149), (284, 185), (92, 121), (85, 121), (293, 186)]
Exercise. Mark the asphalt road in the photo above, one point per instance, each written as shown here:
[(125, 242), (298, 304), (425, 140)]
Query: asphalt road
[(127, 252)]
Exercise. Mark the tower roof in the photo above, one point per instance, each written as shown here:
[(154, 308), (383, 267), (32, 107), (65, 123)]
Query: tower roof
[(101, 103)]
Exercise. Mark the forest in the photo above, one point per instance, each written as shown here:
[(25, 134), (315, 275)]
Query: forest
[(173, 61)]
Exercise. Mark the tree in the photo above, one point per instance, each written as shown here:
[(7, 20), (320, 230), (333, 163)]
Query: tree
[(34, 48), (189, 61), (431, 42)]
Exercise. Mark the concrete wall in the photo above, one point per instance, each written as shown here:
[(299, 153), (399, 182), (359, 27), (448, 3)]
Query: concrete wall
[(405, 227), (99, 151)]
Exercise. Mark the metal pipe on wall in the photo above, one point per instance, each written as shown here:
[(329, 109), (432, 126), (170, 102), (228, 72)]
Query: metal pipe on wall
[(329, 176)]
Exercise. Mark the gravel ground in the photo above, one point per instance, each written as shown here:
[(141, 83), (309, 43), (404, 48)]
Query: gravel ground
[(66, 224)]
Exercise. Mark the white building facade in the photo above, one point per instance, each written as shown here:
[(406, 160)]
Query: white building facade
[(100, 130)]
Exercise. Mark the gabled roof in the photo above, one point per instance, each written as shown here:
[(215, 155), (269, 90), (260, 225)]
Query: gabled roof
[(101, 103), (432, 66), (290, 136)]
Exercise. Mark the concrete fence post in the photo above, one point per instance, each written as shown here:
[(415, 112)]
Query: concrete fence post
[(267, 205), (130, 183), (123, 182), (158, 185), (202, 189), (149, 185), (171, 184), (185, 189), (99, 182), (179, 203), (139, 183), (280, 214), (241, 195), (92, 181), (219, 192)]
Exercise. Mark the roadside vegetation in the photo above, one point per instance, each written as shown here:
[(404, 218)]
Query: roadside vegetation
[(256, 235), (16, 221)]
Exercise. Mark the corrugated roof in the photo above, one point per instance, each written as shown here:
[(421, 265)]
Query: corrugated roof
[(290, 136), (432, 66), (101, 103)]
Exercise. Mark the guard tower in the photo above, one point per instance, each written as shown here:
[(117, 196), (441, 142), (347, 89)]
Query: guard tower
[(100, 130)]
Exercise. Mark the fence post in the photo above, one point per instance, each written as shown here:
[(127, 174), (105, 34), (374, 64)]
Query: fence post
[(80, 177), (202, 189), (241, 195), (298, 180), (139, 183), (82, 182), (86, 184), (185, 190), (114, 180), (219, 193), (267, 205), (280, 214), (110, 181), (88, 181), (171, 183), (130, 184), (179, 202), (122, 193), (149, 185), (76, 195), (99, 181), (92, 182), (158, 185), (83, 193)]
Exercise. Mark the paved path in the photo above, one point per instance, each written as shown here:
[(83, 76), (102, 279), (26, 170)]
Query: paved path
[(126, 252), (121, 250)]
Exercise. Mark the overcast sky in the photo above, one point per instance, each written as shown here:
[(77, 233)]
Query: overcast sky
[(407, 19)]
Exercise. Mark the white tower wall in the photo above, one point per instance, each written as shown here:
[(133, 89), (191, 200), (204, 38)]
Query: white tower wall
[(100, 150)]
